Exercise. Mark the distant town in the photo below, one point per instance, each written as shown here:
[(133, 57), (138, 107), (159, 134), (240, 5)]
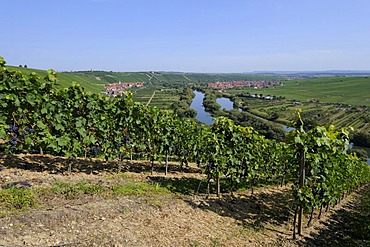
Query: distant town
[(116, 89), (235, 84)]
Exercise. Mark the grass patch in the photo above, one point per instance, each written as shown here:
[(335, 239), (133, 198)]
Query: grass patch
[(71, 191), (16, 199), (121, 175), (139, 188)]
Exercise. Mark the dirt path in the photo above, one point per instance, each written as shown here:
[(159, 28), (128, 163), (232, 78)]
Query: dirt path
[(150, 100), (156, 220)]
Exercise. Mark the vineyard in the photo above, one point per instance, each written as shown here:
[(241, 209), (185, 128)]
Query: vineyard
[(39, 118), (158, 97), (340, 114), (349, 89)]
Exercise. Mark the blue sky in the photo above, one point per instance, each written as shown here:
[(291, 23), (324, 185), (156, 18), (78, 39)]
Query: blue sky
[(186, 35)]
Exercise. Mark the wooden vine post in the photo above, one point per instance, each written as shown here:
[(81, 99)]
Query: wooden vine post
[(302, 171)]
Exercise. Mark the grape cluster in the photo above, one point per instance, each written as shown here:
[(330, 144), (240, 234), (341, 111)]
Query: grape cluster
[(95, 150), (318, 192), (210, 165), (117, 144), (27, 131), (13, 132), (126, 139), (13, 128), (13, 141)]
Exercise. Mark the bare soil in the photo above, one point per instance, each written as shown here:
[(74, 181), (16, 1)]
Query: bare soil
[(177, 218)]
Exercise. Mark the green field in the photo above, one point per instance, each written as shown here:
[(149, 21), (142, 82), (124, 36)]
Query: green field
[(349, 90)]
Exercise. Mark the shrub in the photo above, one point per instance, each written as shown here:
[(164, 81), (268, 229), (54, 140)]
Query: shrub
[(13, 198)]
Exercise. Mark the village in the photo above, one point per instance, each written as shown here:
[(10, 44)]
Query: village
[(116, 89)]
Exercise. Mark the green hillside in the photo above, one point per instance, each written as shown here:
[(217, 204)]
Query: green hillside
[(350, 90), (167, 77), (66, 79), (94, 81)]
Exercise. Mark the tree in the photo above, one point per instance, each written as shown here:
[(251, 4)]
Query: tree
[(361, 138)]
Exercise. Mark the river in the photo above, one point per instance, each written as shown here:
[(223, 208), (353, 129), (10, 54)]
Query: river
[(197, 104), (225, 103)]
